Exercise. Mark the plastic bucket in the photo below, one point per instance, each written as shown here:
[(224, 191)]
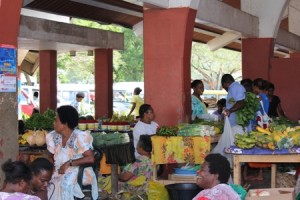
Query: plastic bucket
[(183, 191)]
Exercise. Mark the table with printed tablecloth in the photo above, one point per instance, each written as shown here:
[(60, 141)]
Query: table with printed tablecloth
[(178, 149), (258, 155)]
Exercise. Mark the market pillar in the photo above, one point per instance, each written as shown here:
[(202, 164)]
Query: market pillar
[(285, 77), (295, 55), (103, 82), (9, 23), (167, 52), (256, 57), (48, 80)]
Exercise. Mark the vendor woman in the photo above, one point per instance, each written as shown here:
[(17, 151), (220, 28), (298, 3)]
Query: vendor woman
[(198, 106)]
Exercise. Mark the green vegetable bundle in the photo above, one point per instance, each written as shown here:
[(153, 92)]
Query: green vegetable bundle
[(103, 139), (246, 114), (167, 131), (217, 124), (41, 121)]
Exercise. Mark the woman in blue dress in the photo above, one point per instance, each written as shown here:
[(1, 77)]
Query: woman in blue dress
[(198, 106)]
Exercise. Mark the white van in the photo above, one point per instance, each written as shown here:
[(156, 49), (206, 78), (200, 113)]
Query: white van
[(66, 93)]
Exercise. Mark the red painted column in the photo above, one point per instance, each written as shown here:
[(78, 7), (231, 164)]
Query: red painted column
[(285, 76), (9, 21), (9, 30), (256, 57), (167, 53), (295, 55), (48, 77), (103, 82)]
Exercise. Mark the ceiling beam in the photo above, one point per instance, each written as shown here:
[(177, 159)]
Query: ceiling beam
[(227, 17), (109, 7), (288, 39), (223, 40), (50, 34)]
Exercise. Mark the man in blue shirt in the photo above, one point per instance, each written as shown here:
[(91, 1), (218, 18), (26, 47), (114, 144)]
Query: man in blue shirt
[(235, 97)]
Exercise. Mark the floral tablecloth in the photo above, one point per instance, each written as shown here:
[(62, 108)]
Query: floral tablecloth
[(177, 149)]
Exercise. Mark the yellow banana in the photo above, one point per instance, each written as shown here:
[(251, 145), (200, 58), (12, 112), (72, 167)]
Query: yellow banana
[(262, 130)]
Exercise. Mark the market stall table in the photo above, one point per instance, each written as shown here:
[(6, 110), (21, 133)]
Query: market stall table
[(178, 149), (116, 154), (261, 156), (29, 153)]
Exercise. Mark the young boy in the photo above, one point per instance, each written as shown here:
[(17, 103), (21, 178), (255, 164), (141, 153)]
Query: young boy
[(220, 104)]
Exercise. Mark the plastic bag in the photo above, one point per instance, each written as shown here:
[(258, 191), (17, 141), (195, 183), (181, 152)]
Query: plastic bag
[(157, 191), (226, 140), (104, 183), (263, 120)]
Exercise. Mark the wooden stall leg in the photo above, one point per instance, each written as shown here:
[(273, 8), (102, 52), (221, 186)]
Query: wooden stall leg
[(236, 170), (154, 172), (273, 175), (114, 179)]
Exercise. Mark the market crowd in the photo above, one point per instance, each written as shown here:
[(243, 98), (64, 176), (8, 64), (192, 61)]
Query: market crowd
[(71, 148)]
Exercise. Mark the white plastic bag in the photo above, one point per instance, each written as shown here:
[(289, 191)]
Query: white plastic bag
[(226, 140)]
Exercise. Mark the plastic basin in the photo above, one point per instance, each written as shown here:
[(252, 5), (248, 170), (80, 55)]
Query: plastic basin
[(183, 191), (185, 171)]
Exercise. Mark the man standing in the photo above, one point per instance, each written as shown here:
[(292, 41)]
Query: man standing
[(235, 97), (79, 104), (146, 125)]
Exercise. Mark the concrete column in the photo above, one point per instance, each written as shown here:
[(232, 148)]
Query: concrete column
[(103, 82), (167, 52), (9, 23), (48, 80), (256, 57)]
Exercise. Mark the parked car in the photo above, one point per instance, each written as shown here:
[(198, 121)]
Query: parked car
[(26, 104)]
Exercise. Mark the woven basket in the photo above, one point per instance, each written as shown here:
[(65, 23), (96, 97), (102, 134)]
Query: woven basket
[(284, 180)]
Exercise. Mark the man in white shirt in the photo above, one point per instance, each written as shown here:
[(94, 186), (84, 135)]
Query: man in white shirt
[(146, 125)]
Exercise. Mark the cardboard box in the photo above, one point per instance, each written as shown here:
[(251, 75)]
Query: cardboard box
[(275, 193)]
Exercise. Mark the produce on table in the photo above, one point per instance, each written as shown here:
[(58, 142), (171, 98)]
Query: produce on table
[(218, 125), (22, 140), (246, 114), (245, 141), (196, 130), (41, 121), (120, 118), (167, 131), (102, 139), (33, 138), (278, 136), (187, 130)]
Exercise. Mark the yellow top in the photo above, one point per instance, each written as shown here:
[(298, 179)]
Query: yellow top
[(138, 102)]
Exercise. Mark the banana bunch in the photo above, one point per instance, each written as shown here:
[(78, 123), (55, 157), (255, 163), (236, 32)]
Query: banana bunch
[(245, 141), (282, 136), (295, 135), (264, 141), (21, 140)]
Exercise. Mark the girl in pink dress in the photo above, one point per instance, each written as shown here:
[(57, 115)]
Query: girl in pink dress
[(17, 180)]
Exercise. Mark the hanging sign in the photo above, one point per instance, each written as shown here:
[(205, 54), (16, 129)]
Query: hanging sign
[(8, 68)]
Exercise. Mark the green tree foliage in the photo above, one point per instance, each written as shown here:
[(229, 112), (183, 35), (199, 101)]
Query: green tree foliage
[(210, 66), (132, 69), (75, 69), (128, 65)]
